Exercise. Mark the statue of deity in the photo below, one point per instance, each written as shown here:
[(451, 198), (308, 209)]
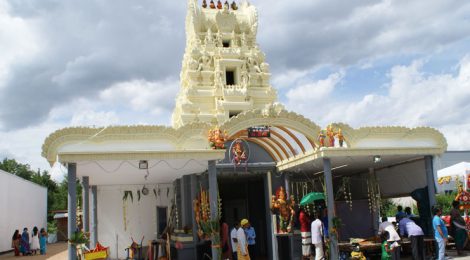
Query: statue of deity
[(285, 208), (219, 4), (340, 137), (212, 5), (217, 138), (234, 6), (321, 138), (204, 4), (239, 153), (331, 135)]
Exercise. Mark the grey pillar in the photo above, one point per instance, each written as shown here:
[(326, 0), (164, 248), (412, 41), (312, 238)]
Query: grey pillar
[(86, 204), (331, 206), (94, 216), (72, 207), (193, 216), (213, 200), (430, 180), (186, 201)]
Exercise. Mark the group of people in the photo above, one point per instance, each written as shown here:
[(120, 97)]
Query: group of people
[(242, 242), (25, 244), (313, 233)]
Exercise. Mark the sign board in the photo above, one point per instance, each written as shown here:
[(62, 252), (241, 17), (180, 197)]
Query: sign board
[(259, 131)]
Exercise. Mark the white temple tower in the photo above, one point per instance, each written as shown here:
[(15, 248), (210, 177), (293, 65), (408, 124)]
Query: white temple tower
[(223, 72)]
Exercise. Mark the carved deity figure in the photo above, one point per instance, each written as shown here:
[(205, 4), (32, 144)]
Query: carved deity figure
[(204, 4), (331, 135), (253, 65), (239, 153), (209, 37), (321, 138), (234, 6), (226, 5), (245, 78), (212, 5), (217, 138), (340, 137), (205, 62), (285, 209), (219, 4)]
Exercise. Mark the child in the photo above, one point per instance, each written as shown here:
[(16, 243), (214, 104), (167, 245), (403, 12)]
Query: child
[(42, 241), (386, 251), (35, 241)]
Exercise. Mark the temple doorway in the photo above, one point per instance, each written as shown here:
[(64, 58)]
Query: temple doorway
[(244, 196)]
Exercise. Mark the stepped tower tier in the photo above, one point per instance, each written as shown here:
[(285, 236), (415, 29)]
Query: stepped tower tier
[(224, 71)]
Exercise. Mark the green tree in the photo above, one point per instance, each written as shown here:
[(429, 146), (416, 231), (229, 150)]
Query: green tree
[(444, 202)]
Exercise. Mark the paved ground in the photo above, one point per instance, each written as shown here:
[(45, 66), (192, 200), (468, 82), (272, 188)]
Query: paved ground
[(56, 251)]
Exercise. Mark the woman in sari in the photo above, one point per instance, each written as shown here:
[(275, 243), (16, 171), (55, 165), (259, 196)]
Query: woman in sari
[(24, 244), (458, 227), (43, 241), (15, 242)]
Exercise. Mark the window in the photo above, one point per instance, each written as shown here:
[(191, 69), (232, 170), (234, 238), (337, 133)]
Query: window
[(233, 113), (226, 43), (230, 77), (161, 219)]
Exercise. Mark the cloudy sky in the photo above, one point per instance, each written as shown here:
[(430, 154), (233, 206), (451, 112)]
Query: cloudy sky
[(96, 62)]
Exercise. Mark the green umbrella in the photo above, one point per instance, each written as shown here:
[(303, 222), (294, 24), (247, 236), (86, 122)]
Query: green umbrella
[(311, 197)]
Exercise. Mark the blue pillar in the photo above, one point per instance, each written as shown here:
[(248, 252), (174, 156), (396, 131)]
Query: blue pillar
[(86, 204), (94, 216), (214, 203), (430, 180), (72, 207), (331, 207)]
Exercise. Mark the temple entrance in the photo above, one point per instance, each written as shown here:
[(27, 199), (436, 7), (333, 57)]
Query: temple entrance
[(243, 196)]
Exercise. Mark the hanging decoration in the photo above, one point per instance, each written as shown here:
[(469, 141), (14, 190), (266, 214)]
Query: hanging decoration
[(373, 194), (217, 138), (127, 195), (285, 209), (347, 191)]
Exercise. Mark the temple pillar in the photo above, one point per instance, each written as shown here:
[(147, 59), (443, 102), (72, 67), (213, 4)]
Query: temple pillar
[(428, 161), (194, 185), (214, 202), (331, 207), (86, 204), (94, 216), (72, 208)]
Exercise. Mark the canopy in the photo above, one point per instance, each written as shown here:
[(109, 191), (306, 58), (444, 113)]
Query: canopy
[(311, 197)]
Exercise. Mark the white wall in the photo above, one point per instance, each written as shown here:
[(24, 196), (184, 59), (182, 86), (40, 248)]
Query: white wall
[(22, 204), (141, 216)]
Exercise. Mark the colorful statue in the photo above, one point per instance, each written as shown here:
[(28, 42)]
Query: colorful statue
[(204, 4), (285, 209), (217, 138), (238, 153), (226, 6), (321, 138), (212, 5), (340, 137), (331, 135), (219, 4)]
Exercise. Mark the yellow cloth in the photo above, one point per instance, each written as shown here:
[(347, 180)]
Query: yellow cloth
[(240, 256), (358, 255), (244, 222)]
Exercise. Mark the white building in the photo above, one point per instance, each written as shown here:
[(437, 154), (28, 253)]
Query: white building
[(23, 204)]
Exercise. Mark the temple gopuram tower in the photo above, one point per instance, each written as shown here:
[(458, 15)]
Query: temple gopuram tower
[(224, 71)]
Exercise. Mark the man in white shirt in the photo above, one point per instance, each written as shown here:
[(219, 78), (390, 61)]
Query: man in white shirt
[(241, 241), (233, 239), (317, 237), (394, 238)]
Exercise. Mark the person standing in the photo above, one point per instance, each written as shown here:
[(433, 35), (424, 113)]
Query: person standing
[(35, 241), (400, 214), (317, 237), (224, 240), (393, 238), (305, 233), (242, 245), (15, 242), (250, 238), (43, 241), (233, 238), (458, 227), (24, 244), (440, 233), (416, 235)]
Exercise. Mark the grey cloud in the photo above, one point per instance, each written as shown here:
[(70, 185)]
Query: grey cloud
[(305, 34), (89, 46)]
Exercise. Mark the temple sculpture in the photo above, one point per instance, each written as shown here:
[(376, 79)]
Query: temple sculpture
[(224, 72)]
